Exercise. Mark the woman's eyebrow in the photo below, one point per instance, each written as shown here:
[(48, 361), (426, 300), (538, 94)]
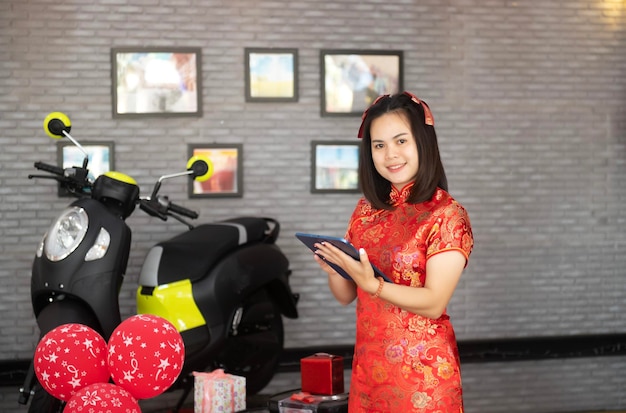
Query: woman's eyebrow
[(392, 138)]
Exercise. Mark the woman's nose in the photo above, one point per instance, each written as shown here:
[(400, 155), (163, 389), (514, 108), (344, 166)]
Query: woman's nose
[(390, 153)]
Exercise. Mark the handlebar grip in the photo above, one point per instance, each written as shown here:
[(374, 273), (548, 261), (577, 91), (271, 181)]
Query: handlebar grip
[(49, 168), (177, 209)]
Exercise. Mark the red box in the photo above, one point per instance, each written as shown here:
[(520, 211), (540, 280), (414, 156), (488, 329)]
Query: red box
[(322, 373)]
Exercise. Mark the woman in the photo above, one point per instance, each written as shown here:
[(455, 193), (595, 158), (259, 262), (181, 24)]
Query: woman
[(406, 357)]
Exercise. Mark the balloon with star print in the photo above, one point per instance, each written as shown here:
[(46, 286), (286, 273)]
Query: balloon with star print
[(102, 398), (145, 355), (70, 357)]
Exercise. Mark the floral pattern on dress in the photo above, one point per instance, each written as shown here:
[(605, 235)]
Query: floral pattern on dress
[(405, 362)]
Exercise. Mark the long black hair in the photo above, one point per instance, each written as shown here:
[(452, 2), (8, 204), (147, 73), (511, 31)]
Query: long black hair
[(430, 173)]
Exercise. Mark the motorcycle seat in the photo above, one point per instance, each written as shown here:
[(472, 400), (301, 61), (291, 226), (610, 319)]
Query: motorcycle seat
[(255, 228), (191, 254)]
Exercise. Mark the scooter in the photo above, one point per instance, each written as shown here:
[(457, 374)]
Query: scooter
[(224, 285)]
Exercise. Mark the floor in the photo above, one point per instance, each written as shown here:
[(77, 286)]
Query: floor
[(165, 404), (259, 404)]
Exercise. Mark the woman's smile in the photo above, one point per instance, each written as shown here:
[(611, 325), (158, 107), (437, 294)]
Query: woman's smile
[(396, 167)]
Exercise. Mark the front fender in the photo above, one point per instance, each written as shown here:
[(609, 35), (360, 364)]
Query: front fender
[(66, 311)]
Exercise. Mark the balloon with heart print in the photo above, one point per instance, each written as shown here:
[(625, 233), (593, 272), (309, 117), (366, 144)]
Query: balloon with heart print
[(70, 357), (102, 398), (145, 355)]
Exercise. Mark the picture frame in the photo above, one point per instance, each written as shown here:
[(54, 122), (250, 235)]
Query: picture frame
[(352, 79), (156, 81), (227, 178), (271, 74), (334, 166), (101, 155)]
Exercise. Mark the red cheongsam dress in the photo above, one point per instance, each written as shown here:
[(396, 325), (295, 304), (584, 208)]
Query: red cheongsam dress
[(404, 362)]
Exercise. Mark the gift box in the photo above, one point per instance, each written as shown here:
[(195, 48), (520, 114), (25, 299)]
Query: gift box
[(322, 373), (218, 392), (303, 402)]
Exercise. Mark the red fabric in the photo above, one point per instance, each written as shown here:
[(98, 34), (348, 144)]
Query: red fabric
[(405, 362)]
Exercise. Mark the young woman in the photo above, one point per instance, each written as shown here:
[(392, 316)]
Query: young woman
[(406, 357)]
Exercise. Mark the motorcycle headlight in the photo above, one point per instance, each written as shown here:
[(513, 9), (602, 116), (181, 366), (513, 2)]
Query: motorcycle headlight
[(66, 233)]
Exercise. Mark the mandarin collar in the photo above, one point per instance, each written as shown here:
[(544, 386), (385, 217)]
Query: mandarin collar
[(400, 196)]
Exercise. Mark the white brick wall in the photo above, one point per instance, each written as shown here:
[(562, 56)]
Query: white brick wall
[(529, 103)]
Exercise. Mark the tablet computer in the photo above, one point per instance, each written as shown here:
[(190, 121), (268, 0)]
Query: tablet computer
[(311, 239)]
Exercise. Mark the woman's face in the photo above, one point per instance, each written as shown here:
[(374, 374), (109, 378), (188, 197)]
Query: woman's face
[(394, 151)]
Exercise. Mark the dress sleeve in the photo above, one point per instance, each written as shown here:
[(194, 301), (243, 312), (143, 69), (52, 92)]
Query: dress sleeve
[(451, 230)]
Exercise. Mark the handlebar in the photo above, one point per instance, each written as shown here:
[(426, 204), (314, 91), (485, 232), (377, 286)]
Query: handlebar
[(177, 209), (161, 207), (74, 180), (53, 169)]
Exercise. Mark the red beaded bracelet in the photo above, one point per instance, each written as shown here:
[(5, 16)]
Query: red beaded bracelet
[(381, 282)]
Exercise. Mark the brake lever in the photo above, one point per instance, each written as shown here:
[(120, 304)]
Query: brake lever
[(181, 220), (56, 178)]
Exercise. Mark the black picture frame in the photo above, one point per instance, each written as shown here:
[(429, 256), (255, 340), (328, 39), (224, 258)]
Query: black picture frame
[(271, 74), (227, 178), (156, 81), (101, 155), (334, 166), (352, 79)]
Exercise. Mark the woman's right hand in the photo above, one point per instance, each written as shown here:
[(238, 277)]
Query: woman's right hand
[(324, 266)]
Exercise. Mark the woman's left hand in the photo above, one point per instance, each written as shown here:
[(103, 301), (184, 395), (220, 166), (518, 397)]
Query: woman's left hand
[(361, 271)]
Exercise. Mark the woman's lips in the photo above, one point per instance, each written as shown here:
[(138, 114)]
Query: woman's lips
[(394, 168)]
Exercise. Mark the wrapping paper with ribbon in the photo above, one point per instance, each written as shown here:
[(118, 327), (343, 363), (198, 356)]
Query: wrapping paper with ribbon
[(218, 392)]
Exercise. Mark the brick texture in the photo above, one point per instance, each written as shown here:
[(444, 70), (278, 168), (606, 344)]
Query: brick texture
[(528, 99)]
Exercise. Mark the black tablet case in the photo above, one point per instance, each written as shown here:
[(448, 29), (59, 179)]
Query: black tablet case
[(311, 239)]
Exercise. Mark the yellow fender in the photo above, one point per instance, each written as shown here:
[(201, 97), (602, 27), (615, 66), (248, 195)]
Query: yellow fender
[(174, 302)]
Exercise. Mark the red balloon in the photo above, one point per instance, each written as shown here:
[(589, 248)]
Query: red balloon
[(70, 357), (145, 355), (102, 398)]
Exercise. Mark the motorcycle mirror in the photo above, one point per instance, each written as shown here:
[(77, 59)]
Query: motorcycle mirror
[(201, 168), (55, 124)]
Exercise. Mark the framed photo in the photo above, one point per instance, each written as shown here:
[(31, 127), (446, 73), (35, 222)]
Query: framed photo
[(99, 153), (227, 178), (352, 79), (271, 75), (156, 82), (334, 166)]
